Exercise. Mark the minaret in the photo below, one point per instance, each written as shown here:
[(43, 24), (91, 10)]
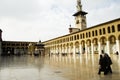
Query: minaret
[(79, 6), (80, 17)]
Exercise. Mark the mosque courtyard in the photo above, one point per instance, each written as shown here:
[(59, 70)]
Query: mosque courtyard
[(79, 67)]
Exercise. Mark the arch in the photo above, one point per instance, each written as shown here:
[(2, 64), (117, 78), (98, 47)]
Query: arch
[(76, 44), (57, 46), (119, 37), (88, 42), (77, 47), (71, 44), (64, 45), (71, 48), (118, 27), (67, 44), (103, 43), (95, 41), (83, 43), (103, 40), (112, 39), (61, 45)]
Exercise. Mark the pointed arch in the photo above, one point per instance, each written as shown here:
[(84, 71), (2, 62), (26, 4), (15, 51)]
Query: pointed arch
[(103, 40), (112, 39), (88, 42)]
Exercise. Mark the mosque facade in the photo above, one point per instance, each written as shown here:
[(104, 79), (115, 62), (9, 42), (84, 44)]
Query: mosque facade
[(83, 40), (80, 40)]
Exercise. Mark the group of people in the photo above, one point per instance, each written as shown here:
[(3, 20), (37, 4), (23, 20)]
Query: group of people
[(105, 63)]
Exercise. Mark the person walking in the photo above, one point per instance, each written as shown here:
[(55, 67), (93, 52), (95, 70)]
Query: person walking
[(109, 63), (103, 65)]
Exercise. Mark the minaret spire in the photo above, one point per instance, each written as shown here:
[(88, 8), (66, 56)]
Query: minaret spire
[(79, 5), (80, 16)]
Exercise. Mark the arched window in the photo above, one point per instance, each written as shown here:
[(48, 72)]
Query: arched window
[(108, 29), (92, 33), (77, 36), (118, 27), (77, 22), (96, 32), (83, 35), (68, 38), (113, 28), (72, 38), (86, 34), (100, 31), (89, 34), (104, 31)]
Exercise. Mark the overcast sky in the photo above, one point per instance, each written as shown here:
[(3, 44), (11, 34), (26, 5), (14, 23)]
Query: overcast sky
[(34, 20)]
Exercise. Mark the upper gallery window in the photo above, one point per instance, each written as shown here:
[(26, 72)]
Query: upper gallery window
[(118, 27), (77, 22)]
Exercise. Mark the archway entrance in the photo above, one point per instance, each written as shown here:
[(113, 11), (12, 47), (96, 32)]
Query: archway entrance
[(88, 46), (103, 44), (77, 48), (112, 40), (83, 47), (95, 46)]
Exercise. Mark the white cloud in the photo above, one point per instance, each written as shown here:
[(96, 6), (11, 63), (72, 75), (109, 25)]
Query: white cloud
[(31, 20)]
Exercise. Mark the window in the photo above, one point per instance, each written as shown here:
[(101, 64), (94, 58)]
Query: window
[(77, 36), (113, 28), (86, 34), (118, 27), (83, 35), (100, 31), (68, 39), (108, 29), (77, 22), (104, 31), (96, 32), (89, 34), (92, 33), (72, 38), (83, 20)]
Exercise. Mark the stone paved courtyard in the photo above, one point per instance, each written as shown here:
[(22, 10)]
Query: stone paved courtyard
[(80, 67)]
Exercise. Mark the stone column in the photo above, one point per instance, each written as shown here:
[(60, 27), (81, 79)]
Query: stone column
[(92, 48), (85, 48), (108, 47), (69, 48), (54, 50), (80, 49), (118, 46), (99, 47), (60, 50), (74, 50)]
